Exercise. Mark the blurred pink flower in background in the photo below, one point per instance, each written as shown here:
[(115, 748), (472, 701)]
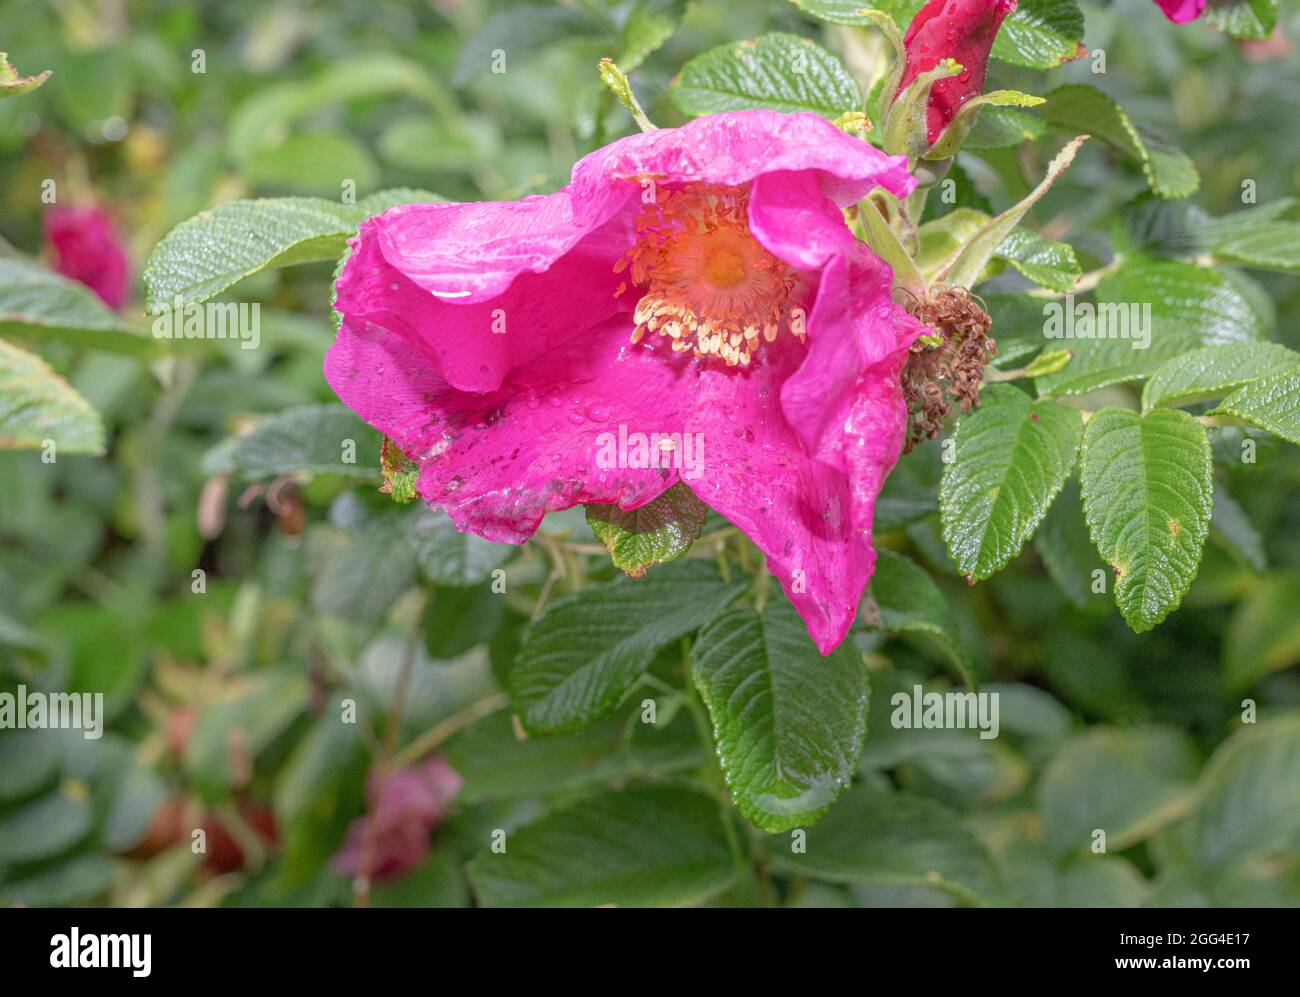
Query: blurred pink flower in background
[(414, 801), (87, 249)]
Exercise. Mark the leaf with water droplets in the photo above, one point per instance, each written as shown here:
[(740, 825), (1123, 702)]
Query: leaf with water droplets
[(1271, 403), (1148, 493), (659, 531), (37, 405), (778, 71), (38, 303), (1214, 371), (788, 722)]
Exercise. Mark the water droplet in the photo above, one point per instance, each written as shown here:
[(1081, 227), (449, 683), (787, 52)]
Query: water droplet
[(598, 413)]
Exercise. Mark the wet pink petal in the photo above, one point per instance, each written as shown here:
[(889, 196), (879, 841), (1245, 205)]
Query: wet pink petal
[(1182, 11), (792, 448)]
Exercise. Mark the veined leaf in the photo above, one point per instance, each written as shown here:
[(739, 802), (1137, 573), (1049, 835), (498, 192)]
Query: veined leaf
[(645, 846), (589, 648), (788, 722), (1271, 403), (1012, 456), (1148, 492), (1049, 264), (1214, 371), (12, 85), (659, 531), (37, 405), (218, 248), (904, 599), (780, 71), (39, 303), (1078, 107)]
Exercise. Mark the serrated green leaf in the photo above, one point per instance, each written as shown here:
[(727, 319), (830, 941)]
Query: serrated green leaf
[(904, 599), (1078, 107), (589, 648), (884, 836), (1214, 371), (448, 557), (38, 303), (966, 265), (496, 764), (1012, 456), (218, 248), (1254, 238), (1271, 403), (315, 439), (779, 71), (644, 846), (1040, 34), (1243, 18), (659, 531), (788, 722), (37, 405), (1250, 793), (1049, 264), (1190, 307), (1126, 783), (1148, 491)]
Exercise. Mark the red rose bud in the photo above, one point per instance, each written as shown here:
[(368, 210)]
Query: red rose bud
[(962, 30), (87, 249)]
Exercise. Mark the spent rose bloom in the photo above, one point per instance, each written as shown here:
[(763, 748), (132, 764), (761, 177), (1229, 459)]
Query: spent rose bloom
[(963, 30), (87, 249), (414, 801), (699, 283), (1182, 11)]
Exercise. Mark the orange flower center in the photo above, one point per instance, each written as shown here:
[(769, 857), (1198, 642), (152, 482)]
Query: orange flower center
[(706, 282)]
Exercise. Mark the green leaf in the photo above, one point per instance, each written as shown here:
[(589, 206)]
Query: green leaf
[(1271, 403), (496, 764), (966, 265), (859, 13), (45, 826), (1001, 127), (659, 531), (1049, 264), (954, 136), (1214, 371), (590, 648), (1148, 491), (1078, 107), (1255, 237), (778, 71), (218, 248), (449, 557), (904, 599), (315, 439), (1012, 456), (1189, 307), (645, 846), (1232, 529), (883, 836), (1243, 18), (37, 302), (12, 85), (458, 619), (618, 84), (28, 760), (1040, 34), (37, 405), (1263, 635), (649, 24), (1066, 549), (788, 722), (1128, 783), (1249, 794), (78, 879)]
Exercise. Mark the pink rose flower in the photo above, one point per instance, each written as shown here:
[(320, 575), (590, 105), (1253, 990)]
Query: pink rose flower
[(1182, 11), (87, 249), (414, 802), (963, 30), (699, 283)]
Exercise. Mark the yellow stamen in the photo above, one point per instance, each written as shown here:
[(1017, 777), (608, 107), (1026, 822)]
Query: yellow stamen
[(706, 282)]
